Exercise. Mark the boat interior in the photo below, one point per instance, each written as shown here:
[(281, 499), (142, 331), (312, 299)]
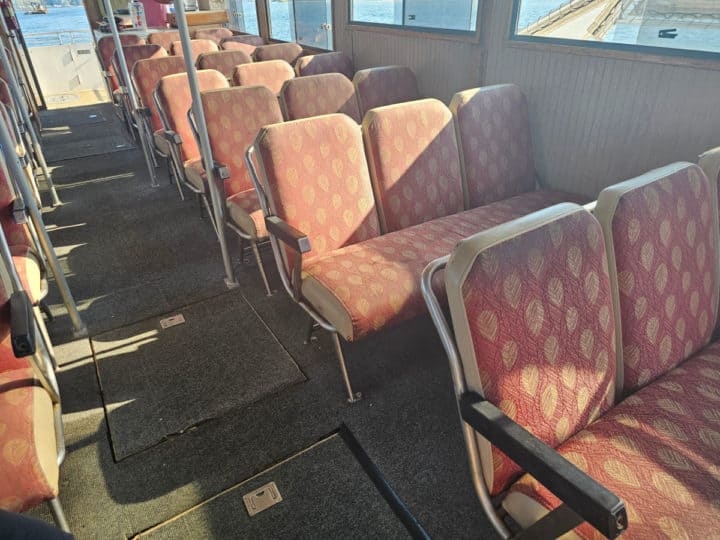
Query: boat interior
[(447, 271)]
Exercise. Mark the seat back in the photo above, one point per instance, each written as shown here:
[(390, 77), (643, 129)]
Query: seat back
[(234, 116), (414, 163), (135, 53), (272, 74), (385, 85), (106, 50), (532, 313), (198, 47), (315, 95), (495, 144), (289, 52), (213, 34), (661, 230), (147, 75), (243, 43), (223, 61), (175, 100), (315, 176), (332, 62), (165, 38)]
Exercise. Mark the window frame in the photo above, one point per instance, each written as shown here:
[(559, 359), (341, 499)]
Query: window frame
[(629, 49), (268, 23)]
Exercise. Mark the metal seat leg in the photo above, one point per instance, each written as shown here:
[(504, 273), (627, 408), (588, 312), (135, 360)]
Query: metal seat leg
[(352, 396), (261, 267), (58, 514)]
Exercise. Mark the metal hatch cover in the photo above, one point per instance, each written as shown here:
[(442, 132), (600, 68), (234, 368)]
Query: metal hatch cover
[(262, 498)]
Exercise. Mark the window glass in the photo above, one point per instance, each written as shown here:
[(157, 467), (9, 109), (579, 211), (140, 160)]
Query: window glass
[(243, 16), (455, 15), (282, 24), (313, 23), (690, 25)]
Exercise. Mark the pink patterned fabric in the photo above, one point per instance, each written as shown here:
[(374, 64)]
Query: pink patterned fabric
[(289, 52), (28, 269), (317, 180), (235, 46), (223, 61), (234, 116), (165, 38), (245, 211), (495, 141), (332, 62), (658, 451), (8, 360), (386, 85), (147, 75), (414, 163), (666, 258), (316, 95), (175, 100), (135, 53), (106, 48), (198, 47), (540, 313), (271, 74), (213, 34)]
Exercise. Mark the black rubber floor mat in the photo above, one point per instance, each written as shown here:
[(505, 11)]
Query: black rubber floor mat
[(66, 118), (80, 149)]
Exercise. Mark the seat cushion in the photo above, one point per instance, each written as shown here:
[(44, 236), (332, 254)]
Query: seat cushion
[(376, 283), (28, 269), (195, 174), (657, 450), (245, 212), (28, 454), (161, 143)]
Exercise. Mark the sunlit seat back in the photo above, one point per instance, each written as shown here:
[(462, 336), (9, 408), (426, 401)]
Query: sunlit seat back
[(213, 34), (661, 229), (223, 61), (332, 62), (234, 117), (315, 95), (385, 85), (289, 52), (106, 48), (532, 313), (135, 53), (165, 38), (198, 47), (272, 74), (147, 75), (414, 163), (317, 180), (495, 143), (246, 43), (174, 96)]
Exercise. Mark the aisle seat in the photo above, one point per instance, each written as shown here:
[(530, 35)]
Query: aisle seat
[(331, 62), (380, 86), (223, 61), (198, 46), (106, 51), (315, 95), (289, 52), (213, 34), (164, 38), (272, 74)]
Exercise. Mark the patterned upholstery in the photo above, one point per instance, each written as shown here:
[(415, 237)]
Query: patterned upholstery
[(165, 38), (147, 75), (495, 142), (332, 62), (223, 61), (317, 180), (213, 34), (28, 269), (532, 309), (106, 48), (414, 163), (272, 74), (174, 95), (289, 52), (662, 229), (135, 53), (316, 95), (657, 450), (247, 44), (244, 210), (386, 85), (198, 47)]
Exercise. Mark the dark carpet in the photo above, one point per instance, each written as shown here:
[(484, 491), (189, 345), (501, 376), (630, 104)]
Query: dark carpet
[(319, 485), (77, 116)]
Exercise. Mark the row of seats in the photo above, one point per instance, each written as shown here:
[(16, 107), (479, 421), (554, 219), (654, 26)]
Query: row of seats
[(594, 332)]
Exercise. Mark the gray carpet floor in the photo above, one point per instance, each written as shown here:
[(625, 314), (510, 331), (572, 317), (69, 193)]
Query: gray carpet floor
[(134, 253)]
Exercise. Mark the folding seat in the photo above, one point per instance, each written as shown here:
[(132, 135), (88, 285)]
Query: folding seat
[(272, 74), (289, 52), (106, 51), (376, 87), (234, 116), (493, 129), (314, 95), (164, 38), (213, 34), (198, 46), (332, 62), (223, 61), (247, 43)]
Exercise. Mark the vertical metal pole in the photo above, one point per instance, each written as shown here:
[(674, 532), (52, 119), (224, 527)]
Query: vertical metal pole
[(16, 171), (218, 200), (129, 89), (19, 101)]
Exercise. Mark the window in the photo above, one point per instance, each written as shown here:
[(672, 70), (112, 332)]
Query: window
[(690, 26), (448, 15), (243, 16), (308, 22)]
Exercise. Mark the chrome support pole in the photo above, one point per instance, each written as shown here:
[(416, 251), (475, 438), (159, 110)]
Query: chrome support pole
[(218, 201), (16, 172), (130, 91), (19, 102)]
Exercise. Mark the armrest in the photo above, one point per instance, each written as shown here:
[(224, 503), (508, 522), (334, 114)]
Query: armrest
[(581, 493), (22, 326), (18, 210), (288, 234), (172, 137)]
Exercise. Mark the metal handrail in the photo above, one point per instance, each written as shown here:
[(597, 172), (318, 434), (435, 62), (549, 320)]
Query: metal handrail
[(75, 37)]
